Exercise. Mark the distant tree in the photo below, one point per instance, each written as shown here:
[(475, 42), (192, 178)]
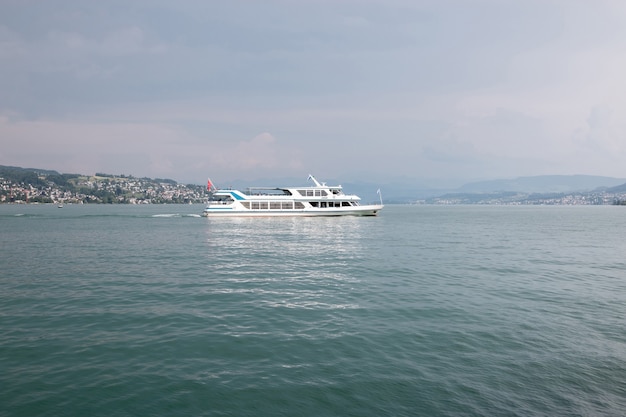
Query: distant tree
[(165, 181), (59, 180)]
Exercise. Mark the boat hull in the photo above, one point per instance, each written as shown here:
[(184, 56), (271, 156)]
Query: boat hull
[(368, 210)]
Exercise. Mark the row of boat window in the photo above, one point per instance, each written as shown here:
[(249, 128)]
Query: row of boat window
[(313, 193), (291, 205), (325, 204), (273, 205)]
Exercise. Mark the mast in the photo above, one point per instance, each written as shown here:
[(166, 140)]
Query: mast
[(312, 178)]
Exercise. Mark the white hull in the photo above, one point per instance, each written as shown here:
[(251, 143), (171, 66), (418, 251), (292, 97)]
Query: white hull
[(369, 210)]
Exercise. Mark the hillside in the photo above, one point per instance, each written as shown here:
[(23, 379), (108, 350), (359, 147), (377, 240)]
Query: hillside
[(45, 186), (49, 186), (543, 184)]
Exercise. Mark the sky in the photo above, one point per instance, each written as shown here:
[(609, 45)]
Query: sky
[(435, 91)]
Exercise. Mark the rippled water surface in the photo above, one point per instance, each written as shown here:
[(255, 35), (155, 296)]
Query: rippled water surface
[(423, 310)]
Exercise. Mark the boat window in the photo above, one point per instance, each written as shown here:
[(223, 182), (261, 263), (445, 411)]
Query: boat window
[(345, 204), (222, 199), (259, 205), (287, 205), (313, 193), (275, 205), (314, 203), (298, 205)]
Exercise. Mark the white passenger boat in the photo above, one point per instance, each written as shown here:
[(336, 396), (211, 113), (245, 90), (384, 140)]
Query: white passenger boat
[(317, 200)]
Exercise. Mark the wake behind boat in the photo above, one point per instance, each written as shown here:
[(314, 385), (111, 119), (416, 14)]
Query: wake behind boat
[(317, 200)]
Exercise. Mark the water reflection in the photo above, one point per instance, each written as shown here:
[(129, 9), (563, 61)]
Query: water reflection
[(305, 263), (322, 237)]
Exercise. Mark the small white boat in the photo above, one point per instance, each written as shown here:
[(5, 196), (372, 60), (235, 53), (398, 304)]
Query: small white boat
[(317, 200)]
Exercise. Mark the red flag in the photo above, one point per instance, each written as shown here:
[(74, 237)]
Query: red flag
[(209, 185)]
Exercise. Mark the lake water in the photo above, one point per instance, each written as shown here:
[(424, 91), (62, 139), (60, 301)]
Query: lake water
[(421, 311)]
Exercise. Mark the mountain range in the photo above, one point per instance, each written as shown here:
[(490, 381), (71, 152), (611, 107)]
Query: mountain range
[(407, 190), (544, 184)]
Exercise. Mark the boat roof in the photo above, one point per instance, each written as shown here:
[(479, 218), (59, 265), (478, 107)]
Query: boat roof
[(317, 186), (306, 187)]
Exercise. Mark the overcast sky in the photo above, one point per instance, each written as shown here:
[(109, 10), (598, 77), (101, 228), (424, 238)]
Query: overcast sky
[(372, 89)]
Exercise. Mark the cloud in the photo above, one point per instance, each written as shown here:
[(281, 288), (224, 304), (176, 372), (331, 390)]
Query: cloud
[(262, 155), (86, 148), (604, 133), (460, 89), (155, 150), (257, 153)]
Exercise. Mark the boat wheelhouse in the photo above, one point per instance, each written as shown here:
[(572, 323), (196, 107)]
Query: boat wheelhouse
[(317, 200)]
